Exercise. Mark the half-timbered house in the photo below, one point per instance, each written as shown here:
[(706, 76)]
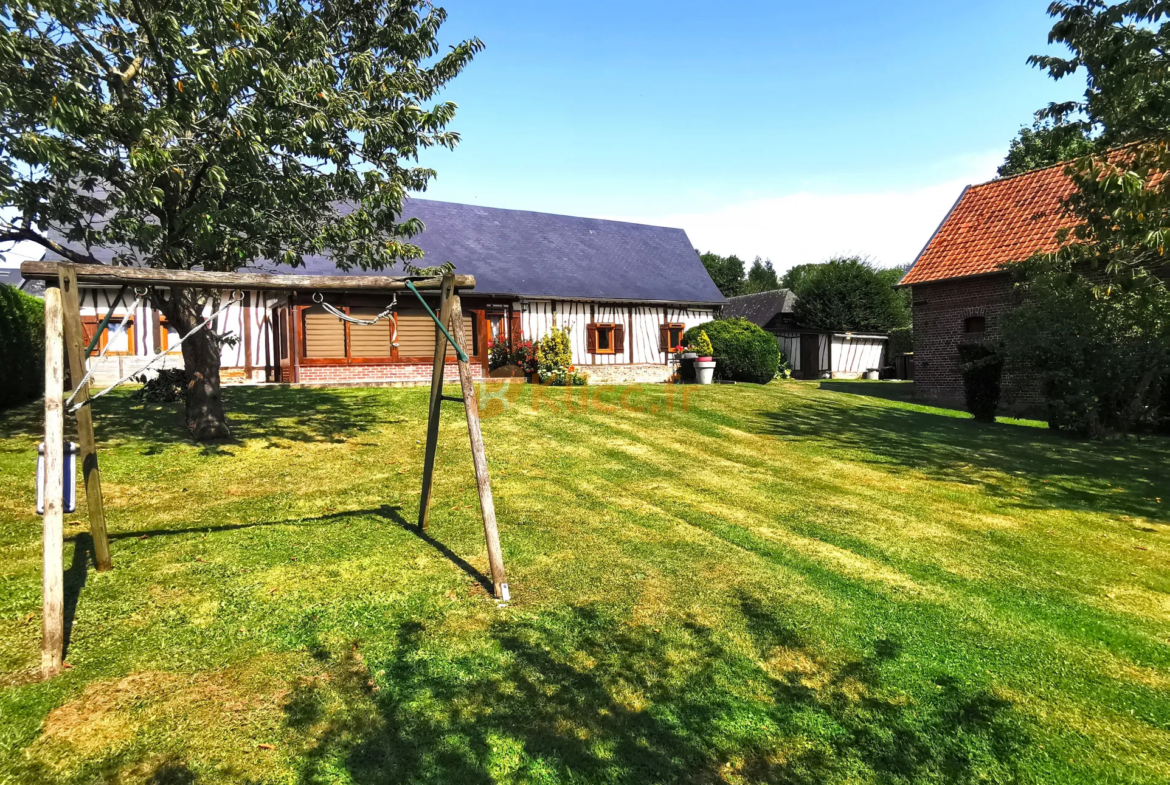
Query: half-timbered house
[(626, 292)]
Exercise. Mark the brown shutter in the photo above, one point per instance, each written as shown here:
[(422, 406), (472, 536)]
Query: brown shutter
[(664, 339), (619, 339), (591, 338), (514, 337)]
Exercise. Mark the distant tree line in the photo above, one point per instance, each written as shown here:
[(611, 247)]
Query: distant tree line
[(728, 273)]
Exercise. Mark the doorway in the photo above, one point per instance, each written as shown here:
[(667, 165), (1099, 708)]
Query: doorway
[(810, 356)]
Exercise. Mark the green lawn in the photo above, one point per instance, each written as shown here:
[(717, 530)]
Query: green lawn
[(781, 584)]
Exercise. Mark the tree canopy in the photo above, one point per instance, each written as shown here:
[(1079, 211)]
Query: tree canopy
[(727, 272), (850, 294), (211, 133), (1046, 143), (729, 276)]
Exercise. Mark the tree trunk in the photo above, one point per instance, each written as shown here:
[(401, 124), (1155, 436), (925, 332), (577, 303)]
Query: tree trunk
[(204, 413)]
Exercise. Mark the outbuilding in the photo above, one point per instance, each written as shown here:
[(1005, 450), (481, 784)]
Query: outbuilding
[(811, 354)]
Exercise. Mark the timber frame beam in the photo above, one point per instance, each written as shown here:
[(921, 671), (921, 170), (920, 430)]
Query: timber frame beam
[(146, 276)]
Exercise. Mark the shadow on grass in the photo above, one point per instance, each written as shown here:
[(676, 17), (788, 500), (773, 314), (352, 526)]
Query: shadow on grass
[(577, 695), (887, 391), (76, 575), (1123, 478), (317, 415)]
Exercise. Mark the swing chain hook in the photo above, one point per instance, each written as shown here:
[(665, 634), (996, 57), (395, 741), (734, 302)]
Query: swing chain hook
[(318, 298)]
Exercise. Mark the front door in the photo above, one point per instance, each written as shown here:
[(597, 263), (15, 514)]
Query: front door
[(810, 356)]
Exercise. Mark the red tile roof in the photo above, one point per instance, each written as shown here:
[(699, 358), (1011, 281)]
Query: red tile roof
[(994, 223)]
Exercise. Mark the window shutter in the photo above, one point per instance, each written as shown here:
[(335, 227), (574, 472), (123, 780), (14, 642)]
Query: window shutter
[(619, 339), (591, 338), (516, 329), (664, 339)]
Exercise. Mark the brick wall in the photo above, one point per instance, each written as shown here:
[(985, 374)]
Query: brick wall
[(940, 311), (419, 373)]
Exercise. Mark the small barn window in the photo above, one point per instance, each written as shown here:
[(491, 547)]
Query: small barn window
[(670, 336), (975, 324)]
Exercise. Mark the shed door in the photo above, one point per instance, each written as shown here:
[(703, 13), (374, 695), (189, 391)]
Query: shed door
[(810, 356)]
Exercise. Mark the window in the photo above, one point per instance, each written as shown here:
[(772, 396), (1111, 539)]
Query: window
[(975, 324), (497, 324), (671, 337), (168, 337), (324, 335), (605, 338), (118, 344)]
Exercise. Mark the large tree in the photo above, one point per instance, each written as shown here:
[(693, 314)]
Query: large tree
[(726, 272), (850, 294), (1103, 294), (210, 133), (1046, 143), (761, 277)]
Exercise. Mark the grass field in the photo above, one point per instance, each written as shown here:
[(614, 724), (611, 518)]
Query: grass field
[(789, 584)]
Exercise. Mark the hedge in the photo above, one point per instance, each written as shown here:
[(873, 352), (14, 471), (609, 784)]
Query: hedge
[(743, 351), (982, 368), (22, 347)]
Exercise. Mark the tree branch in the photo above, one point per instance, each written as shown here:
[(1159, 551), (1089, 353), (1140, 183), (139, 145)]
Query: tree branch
[(28, 234)]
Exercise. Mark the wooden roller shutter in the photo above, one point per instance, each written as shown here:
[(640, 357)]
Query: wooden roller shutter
[(591, 338), (416, 335), (619, 339), (369, 341), (324, 335)]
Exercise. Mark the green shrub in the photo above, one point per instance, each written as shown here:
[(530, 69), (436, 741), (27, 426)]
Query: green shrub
[(702, 345), (982, 369), (22, 347), (168, 386), (901, 342), (743, 351), (554, 352)]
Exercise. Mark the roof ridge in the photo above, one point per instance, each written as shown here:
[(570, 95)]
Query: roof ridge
[(541, 212)]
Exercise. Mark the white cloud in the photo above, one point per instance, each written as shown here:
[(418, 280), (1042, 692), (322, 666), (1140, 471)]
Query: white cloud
[(890, 227)]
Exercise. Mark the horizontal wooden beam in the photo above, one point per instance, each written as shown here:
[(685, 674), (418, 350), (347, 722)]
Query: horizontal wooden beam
[(146, 276)]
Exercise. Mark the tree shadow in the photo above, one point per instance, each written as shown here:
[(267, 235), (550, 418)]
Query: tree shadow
[(886, 391), (1050, 470), (579, 695), (316, 414)]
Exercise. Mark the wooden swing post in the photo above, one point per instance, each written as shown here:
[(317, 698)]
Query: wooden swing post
[(53, 574), (436, 401), (75, 346), (479, 457)]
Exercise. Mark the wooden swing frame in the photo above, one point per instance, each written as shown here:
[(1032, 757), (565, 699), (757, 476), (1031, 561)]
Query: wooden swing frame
[(63, 336)]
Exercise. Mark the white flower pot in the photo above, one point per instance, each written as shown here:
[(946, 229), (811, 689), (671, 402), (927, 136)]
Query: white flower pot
[(704, 371), (873, 375)]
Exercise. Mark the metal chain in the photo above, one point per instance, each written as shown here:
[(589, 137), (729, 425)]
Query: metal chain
[(204, 324)]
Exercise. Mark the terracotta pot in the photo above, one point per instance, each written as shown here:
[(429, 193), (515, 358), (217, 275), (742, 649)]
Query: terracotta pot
[(705, 359)]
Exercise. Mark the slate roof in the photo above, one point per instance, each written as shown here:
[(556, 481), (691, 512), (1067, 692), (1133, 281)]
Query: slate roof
[(996, 223), (528, 254), (762, 307)]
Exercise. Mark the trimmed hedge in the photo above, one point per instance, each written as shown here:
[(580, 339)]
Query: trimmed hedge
[(743, 352), (22, 347)]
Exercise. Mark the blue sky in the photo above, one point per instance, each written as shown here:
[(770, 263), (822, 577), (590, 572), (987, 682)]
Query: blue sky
[(789, 130)]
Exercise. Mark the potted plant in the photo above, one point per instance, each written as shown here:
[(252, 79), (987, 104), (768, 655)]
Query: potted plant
[(704, 362)]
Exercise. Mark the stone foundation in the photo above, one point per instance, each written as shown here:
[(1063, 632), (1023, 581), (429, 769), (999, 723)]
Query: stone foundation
[(626, 374)]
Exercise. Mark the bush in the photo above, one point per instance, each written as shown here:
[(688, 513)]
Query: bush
[(1100, 346), (169, 386), (702, 345), (554, 352), (743, 351), (901, 342), (850, 294), (22, 347), (982, 369)]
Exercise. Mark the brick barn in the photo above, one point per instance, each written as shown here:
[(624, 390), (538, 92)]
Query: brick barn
[(626, 291), (960, 289)]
